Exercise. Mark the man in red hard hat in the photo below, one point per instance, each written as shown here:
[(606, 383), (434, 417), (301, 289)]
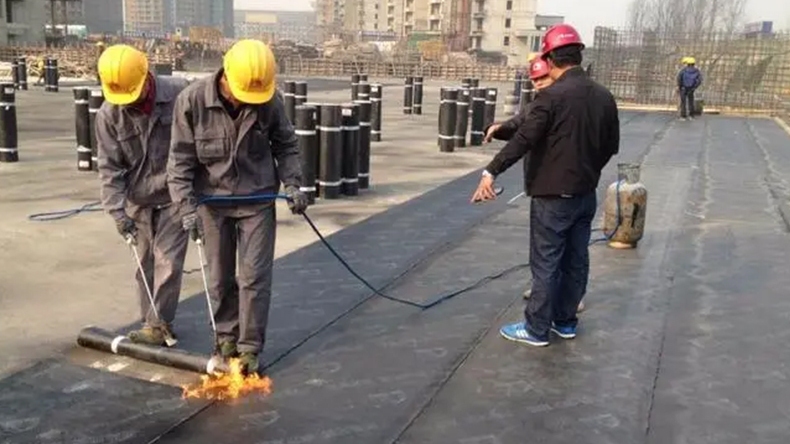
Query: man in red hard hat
[(539, 75), (571, 131)]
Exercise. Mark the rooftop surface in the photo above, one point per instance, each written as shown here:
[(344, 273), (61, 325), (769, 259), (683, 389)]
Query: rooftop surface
[(684, 338)]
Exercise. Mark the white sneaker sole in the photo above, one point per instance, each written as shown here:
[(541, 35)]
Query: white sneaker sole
[(563, 335), (524, 341)]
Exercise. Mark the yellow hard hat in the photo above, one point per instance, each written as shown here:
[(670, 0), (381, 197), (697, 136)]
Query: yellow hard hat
[(691, 61), (249, 69), (532, 56), (123, 71)]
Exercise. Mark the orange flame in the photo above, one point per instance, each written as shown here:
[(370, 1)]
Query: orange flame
[(228, 385)]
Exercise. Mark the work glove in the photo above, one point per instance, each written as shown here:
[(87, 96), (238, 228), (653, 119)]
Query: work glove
[(192, 225), (297, 200), (126, 227)]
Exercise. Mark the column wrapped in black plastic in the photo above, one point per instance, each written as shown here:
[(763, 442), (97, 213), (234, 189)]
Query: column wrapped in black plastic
[(82, 127), (52, 75), (300, 95), (306, 133), (15, 72), (490, 108), (22, 73), (376, 93), (354, 86), (408, 94), (95, 102), (447, 117), (9, 151), (462, 117), (365, 111), (476, 134), (331, 155), (350, 167), (289, 99), (417, 101)]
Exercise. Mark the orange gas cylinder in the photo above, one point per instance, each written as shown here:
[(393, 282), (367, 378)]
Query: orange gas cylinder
[(625, 208)]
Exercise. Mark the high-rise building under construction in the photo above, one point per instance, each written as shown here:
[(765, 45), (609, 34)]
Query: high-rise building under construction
[(162, 16), (509, 27)]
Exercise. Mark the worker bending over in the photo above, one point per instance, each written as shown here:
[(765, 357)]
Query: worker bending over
[(133, 136), (231, 138), (570, 133), (689, 79)]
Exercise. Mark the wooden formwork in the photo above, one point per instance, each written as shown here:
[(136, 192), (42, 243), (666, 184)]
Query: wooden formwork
[(73, 61)]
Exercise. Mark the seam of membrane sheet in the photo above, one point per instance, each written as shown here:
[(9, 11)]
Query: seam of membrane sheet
[(449, 375), (419, 260)]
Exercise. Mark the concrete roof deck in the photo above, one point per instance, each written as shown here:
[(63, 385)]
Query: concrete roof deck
[(684, 339)]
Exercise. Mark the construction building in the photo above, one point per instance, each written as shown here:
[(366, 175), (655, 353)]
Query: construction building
[(511, 28), (171, 16), (22, 21), (297, 26), (143, 16), (98, 16)]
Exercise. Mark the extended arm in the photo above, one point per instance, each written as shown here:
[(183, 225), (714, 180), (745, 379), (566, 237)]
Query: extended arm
[(531, 131)]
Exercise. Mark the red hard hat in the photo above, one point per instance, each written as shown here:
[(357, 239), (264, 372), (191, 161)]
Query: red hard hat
[(538, 68), (558, 36)]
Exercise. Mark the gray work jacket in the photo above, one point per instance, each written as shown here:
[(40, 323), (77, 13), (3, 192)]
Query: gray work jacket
[(133, 148), (209, 158)]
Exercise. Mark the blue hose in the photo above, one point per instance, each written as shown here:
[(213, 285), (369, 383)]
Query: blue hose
[(260, 198)]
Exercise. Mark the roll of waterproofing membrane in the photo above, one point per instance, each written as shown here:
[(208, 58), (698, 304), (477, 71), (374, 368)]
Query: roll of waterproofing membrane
[(102, 340)]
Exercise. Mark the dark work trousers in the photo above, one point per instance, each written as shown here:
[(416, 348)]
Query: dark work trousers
[(162, 246), (242, 312), (686, 102), (559, 259)]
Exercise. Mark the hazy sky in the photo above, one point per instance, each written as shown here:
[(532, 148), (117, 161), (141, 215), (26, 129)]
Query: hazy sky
[(584, 14)]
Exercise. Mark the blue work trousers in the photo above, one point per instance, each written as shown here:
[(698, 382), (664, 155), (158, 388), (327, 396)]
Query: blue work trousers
[(559, 259)]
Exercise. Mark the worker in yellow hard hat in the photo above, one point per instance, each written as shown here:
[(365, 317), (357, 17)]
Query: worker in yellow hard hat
[(42, 70), (233, 145), (133, 140), (688, 80)]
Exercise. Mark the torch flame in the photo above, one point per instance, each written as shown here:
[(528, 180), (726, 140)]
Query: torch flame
[(228, 385)]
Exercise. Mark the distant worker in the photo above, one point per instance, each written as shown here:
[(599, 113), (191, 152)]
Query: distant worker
[(689, 79), (539, 75), (42, 70), (571, 132), (231, 138), (133, 136)]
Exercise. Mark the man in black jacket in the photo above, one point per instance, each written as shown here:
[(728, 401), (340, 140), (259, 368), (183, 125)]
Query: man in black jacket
[(539, 75), (570, 133)]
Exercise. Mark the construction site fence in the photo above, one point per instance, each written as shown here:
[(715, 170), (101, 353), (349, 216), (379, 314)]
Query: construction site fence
[(428, 70), (741, 72)]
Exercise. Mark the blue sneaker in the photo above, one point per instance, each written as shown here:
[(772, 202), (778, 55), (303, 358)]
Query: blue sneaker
[(564, 332), (518, 332)]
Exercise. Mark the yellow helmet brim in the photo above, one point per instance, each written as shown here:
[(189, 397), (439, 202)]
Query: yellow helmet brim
[(123, 97), (251, 96)]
